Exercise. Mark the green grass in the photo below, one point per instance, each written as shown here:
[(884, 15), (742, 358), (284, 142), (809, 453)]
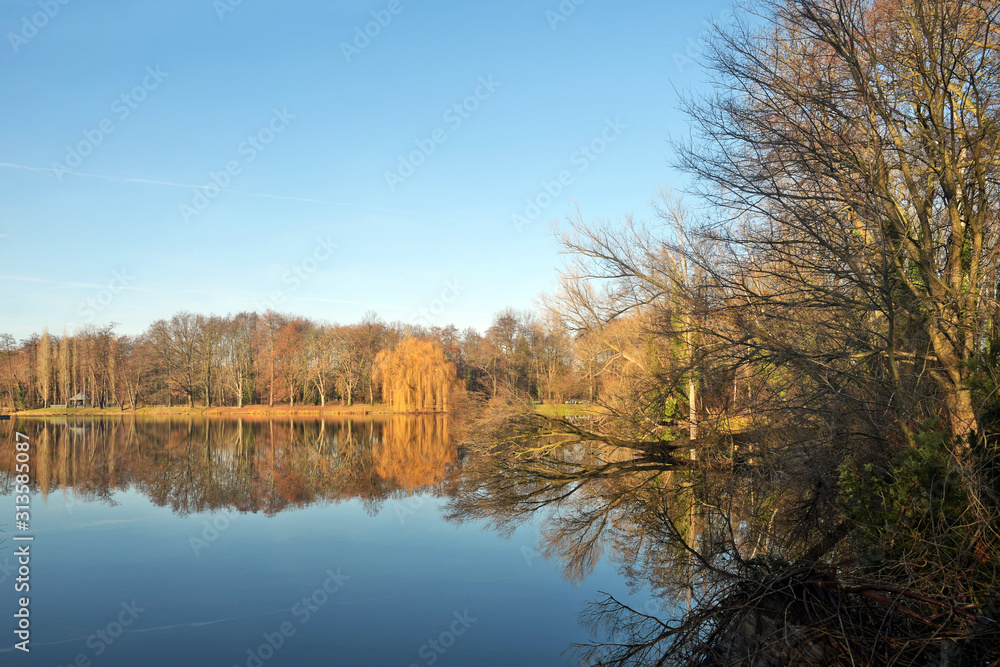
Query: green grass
[(564, 409)]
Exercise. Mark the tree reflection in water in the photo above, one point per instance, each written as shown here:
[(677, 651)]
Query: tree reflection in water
[(247, 465), (748, 564)]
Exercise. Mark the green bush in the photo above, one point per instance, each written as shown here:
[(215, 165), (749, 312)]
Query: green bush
[(920, 522)]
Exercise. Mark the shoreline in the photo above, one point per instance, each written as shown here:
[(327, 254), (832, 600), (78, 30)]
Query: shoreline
[(357, 410), (278, 411)]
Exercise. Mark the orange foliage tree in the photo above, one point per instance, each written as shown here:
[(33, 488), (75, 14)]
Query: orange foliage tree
[(415, 375)]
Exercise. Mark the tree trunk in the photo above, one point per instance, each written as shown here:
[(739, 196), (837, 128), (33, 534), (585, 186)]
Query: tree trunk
[(692, 384), (270, 397), (962, 416)]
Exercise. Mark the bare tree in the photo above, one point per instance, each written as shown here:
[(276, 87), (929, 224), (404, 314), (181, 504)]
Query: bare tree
[(853, 145), (350, 348), (64, 370), (132, 369), (320, 349), (632, 290), (45, 367), (238, 353), (209, 345), (175, 345)]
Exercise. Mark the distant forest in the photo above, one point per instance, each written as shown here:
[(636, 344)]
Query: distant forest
[(276, 359)]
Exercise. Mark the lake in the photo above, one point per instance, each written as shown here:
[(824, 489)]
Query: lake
[(273, 542)]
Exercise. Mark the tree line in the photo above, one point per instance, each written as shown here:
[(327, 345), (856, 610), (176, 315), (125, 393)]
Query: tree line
[(278, 359)]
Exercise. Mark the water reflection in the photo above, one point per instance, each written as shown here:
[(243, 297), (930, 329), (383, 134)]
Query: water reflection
[(746, 564), (218, 528), (250, 466), (727, 557), (635, 503)]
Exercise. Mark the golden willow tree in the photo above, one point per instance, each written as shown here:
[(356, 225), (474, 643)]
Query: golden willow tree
[(415, 376)]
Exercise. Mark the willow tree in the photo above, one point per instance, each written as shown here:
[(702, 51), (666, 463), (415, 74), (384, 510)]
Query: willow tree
[(853, 149), (415, 375)]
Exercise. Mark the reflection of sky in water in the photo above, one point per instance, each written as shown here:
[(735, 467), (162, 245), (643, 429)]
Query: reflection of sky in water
[(409, 573)]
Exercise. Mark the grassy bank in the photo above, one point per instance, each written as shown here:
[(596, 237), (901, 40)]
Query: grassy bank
[(360, 409), (565, 409)]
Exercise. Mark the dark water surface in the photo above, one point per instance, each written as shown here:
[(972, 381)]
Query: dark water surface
[(251, 543)]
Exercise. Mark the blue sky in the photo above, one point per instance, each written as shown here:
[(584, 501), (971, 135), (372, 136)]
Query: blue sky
[(208, 155)]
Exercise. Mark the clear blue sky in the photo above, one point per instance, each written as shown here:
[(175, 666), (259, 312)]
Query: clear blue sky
[(119, 113)]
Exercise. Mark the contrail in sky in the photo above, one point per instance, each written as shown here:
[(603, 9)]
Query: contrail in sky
[(169, 184)]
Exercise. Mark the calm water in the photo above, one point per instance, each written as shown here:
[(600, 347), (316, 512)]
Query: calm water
[(272, 543)]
